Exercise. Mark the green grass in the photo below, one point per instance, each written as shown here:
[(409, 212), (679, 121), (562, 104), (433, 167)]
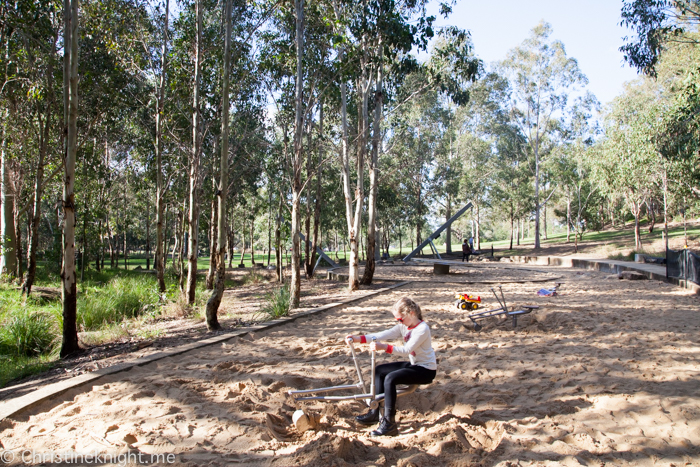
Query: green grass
[(112, 304), (277, 304), (122, 297), (622, 239), (12, 368), (28, 333)]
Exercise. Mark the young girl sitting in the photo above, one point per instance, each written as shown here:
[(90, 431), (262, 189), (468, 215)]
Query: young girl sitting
[(420, 369)]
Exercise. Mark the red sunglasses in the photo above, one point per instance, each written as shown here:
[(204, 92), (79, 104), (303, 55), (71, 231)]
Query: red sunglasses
[(400, 320)]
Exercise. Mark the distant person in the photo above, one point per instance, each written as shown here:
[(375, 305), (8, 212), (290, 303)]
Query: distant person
[(471, 243), (466, 250)]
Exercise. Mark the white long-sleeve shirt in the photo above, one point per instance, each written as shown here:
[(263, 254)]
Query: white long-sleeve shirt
[(417, 343)]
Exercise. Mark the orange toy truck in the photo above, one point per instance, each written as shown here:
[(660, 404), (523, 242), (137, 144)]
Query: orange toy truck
[(467, 302)]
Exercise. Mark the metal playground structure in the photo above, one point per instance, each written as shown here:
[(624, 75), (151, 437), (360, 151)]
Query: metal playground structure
[(502, 310), (371, 398), (436, 234)]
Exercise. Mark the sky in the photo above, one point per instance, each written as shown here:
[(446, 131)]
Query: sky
[(589, 30)]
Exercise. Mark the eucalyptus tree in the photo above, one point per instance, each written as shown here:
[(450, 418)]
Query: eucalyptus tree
[(160, 186), (195, 160), (658, 24), (478, 124), (29, 62), (628, 162), (542, 77), (415, 147), (69, 344), (511, 190), (678, 139), (215, 299)]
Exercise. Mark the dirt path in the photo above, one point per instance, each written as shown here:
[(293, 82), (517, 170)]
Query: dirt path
[(604, 374)]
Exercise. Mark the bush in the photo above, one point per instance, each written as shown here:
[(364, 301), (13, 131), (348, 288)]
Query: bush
[(121, 298), (277, 303), (27, 334)]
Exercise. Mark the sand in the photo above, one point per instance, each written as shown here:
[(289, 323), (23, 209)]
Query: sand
[(606, 373)]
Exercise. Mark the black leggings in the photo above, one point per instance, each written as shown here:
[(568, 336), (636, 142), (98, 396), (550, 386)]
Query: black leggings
[(388, 375)]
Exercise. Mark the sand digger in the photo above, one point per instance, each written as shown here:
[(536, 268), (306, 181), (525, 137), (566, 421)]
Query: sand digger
[(370, 398), (502, 310)]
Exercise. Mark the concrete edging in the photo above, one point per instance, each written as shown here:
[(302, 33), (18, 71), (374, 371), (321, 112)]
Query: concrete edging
[(603, 266), (11, 407)]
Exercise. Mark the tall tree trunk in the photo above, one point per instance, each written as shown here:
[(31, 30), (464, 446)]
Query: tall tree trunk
[(537, 192), (637, 206), (126, 259), (242, 242), (8, 255), (568, 218), (352, 220), (295, 284), (166, 238), (111, 242), (278, 244), (100, 249), (8, 240), (182, 247), (213, 238), (18, 235), (665, 186), (269, 225), (448, 231), (544, 220), (373, 171), (231, 242), (477, 233), (511, 230), (84, 253), (194, 166), (319, 192), (160, 195), (252, 241), (148, 231), (85, 213), (400, 244), (38, 185), (308, 265), (70, 86), (218, 293)]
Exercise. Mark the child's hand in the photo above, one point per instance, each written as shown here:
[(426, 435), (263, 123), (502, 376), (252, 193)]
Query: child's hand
[(351, 338), (377, 346)]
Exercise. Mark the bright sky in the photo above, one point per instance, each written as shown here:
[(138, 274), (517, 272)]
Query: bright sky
[(589, 30)]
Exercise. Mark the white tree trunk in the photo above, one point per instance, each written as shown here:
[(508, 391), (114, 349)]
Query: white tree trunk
[(295, 283), (218, 293), (160, 259), (193, 247)]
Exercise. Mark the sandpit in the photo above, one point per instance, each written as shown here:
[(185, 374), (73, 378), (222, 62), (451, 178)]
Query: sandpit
[(606, 373)]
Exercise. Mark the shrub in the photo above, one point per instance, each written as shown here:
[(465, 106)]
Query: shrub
[(26, 333), (121, 298), (277, 303)]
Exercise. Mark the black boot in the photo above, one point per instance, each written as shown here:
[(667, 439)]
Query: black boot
[(370, 418), (387, 427)]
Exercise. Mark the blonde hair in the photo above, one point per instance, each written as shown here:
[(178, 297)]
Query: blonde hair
[(406, 305)]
